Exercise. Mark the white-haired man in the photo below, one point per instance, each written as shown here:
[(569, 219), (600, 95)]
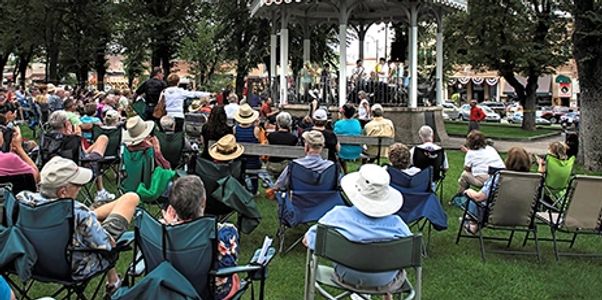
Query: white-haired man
[(427, 137)]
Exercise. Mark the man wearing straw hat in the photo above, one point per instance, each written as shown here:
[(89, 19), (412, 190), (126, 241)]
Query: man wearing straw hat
[(371, 218)]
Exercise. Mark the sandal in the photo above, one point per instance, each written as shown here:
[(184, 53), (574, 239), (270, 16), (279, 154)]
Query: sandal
[(110, 288), (469, 229)]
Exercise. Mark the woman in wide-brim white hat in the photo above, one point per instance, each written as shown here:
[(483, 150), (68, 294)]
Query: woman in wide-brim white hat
[(136, 130), (226, 149), (246, 115)]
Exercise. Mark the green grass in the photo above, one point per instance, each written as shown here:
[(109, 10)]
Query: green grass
[(497, 130), (450, 271)]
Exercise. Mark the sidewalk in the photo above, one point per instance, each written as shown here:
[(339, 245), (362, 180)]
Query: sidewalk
[(539, 147)]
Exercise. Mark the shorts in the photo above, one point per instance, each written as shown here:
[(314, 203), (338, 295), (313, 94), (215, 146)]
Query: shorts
[(115, 225)]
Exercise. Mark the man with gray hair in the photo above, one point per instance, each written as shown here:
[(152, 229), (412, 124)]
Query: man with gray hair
[(94, 229), (379, 127), (314, 143), (427, 137), (168, 124), (64, 140), (232, 107)]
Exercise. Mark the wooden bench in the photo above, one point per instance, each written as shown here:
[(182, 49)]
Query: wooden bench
[(280, 151), (379, 141)]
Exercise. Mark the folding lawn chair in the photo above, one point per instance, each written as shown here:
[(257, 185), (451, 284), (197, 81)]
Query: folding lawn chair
[(580, 213), (49, 228), (136, 167), (172, 147), (192, 249), (19, 183), (511, 206), (420, 203), (112, 158), (424, 158), (310, 196), (557, 178), (395, 255), (139, 107)]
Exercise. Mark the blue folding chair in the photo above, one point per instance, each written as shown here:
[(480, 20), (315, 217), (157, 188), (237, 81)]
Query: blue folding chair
[(191, 248), (310, 196), (419, 201), (49, 228)]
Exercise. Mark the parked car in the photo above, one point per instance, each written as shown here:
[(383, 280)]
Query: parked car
[(491, 116), (517, 118), (569, 119), (497, 107), (513, 107), (452, 111), (555, 114)]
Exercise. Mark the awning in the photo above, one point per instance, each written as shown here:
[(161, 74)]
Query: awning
[(544, 85), (563, 79)]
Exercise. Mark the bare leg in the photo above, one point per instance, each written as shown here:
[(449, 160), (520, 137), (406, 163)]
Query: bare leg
[(99, 185), (125, 206), (100, 146), (388, 297)]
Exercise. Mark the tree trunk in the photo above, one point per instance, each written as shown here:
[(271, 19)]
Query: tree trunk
[(82, 76), (240, 80), (588, 55), (101, 69), (529, 106), (53, 70), (23, 63), (3, 61)]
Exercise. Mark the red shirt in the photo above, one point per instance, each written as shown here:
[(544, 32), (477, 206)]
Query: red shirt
[(265, 109), (477, 114)]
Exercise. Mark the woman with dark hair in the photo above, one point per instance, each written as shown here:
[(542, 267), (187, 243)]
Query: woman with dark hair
[(479, 158), (216, 128), (348, 126)]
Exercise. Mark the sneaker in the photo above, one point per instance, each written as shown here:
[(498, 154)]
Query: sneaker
[(358, 297), (104, 196)]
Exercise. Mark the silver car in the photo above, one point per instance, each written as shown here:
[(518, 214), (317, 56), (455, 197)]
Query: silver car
[(491, 116), (451, 110)]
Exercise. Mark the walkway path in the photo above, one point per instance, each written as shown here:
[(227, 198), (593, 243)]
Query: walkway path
[(539, 147)]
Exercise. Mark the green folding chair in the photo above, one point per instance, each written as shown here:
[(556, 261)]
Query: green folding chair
[(395, 255), (557, 178), (139, 107), (172, 147), (580, 213), (136, 167), (111, 158)]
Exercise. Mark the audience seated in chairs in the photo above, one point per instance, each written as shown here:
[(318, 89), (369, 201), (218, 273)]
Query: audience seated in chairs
[(378, 127), (282, 136), (69, 136), (348, 126), (187, 202), (314, 143), (94, 229), (16, 162), (399, 156), (371, 218), (137, 137), (518, 160), (247, 130), (479, 158), (320, 119)]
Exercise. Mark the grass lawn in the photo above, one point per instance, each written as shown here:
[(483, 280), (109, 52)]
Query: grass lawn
[(450, 271), (496, 130)]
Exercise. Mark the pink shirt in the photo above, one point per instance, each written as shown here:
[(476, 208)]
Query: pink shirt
[(11, 164)]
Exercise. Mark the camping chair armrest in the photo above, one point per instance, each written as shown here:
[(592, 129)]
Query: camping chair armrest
[(546, 205), (127, 238), (223, 272)]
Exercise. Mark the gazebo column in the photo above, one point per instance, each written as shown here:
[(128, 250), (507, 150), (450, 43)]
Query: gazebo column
[(283, 58), (413, 103), (439, 59), (273, 49), (343, 19), (306, 42)]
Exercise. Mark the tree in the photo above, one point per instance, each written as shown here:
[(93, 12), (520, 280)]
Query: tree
[(513, 37), (587, 40)]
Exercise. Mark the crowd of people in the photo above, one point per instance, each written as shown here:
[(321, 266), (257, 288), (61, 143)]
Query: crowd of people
[(69, 116)]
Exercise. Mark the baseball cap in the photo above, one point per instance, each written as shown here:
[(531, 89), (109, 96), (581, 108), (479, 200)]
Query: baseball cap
[(376, 107), (60, 171), (320, 115), (314, 138)]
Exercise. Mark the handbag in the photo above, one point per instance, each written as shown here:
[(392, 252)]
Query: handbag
[(159, 110)]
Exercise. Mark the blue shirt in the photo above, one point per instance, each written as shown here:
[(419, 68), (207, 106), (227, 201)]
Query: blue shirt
[(313, 162), (88, 120), (358, 227), (349, 127)]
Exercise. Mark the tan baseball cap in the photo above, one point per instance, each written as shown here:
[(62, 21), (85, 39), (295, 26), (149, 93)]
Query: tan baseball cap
[(314, 138), (60, 171)]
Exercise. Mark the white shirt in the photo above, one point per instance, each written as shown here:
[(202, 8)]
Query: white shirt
[(231, 109), (480, 160), (174, 100), (362, 111)]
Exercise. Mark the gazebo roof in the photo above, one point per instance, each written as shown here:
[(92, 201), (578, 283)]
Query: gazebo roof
[(364, 11)]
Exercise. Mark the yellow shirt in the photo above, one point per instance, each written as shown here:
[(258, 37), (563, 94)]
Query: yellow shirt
[(381, 127)]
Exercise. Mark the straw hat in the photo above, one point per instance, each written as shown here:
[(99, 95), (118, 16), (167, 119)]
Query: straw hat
[(136, 130), (246, 115), (196, 105), (226, 148), (369, 191), (51, 88)]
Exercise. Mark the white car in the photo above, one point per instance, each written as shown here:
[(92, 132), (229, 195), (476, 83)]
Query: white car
[(452, 111), (491, 116)]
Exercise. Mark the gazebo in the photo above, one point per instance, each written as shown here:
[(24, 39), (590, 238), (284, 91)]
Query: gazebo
[(359, 14)]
